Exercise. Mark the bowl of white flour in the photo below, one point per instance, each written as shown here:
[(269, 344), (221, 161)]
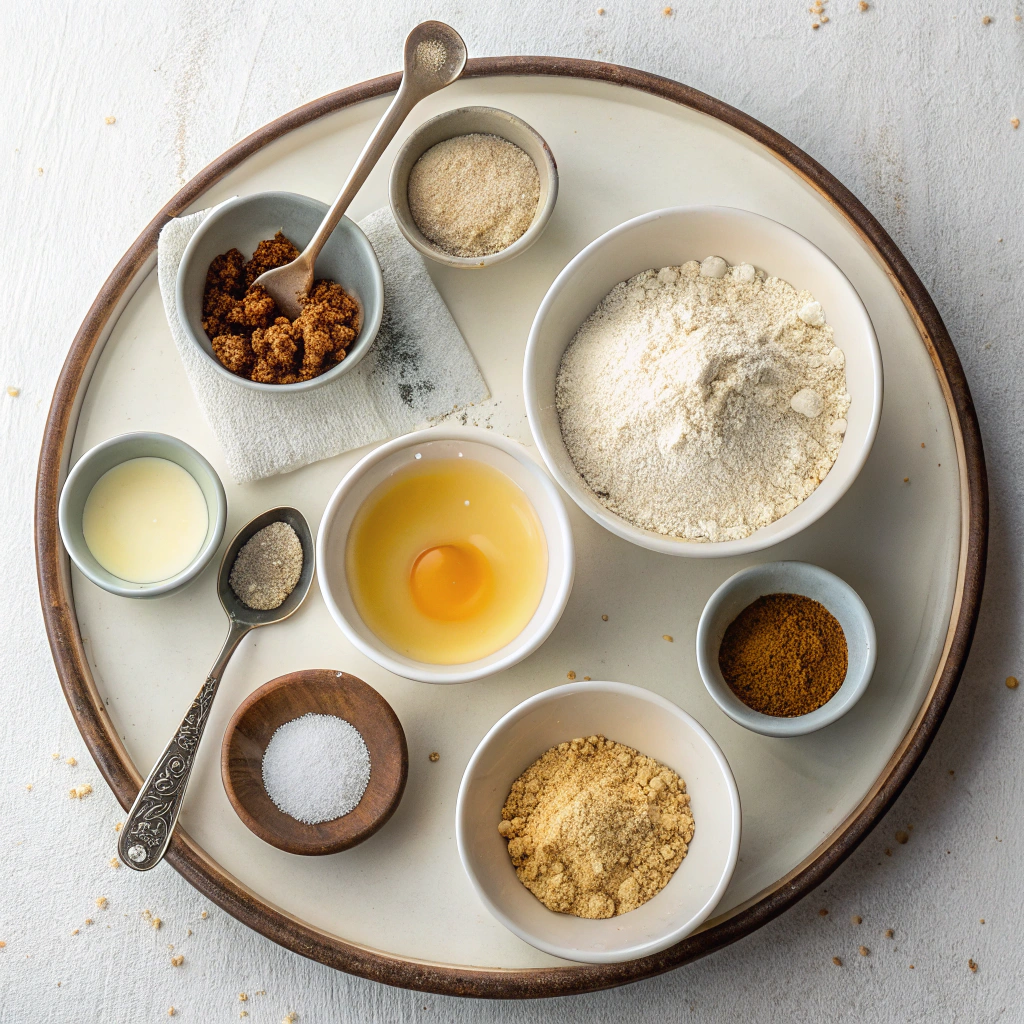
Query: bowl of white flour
[(703, 381)]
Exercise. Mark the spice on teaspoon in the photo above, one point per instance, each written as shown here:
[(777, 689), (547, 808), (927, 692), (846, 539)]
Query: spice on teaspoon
[(784, 655), (267, 568)]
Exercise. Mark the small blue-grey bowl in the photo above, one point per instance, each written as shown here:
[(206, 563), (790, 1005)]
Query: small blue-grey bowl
[(242, 223), (807, 580), (97, 461)]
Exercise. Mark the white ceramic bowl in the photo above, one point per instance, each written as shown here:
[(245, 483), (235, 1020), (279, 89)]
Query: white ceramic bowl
[(512, 459), (465, 121), (787, 578), (655, 727), (105, 456), (669, 238)]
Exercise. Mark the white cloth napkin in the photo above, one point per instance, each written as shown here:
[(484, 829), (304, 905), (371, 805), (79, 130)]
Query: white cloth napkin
[(419, 368)]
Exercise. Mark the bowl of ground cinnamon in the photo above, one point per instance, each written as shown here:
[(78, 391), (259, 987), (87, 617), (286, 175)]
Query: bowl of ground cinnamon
[(473, 187), (785, 648), (237, 326)]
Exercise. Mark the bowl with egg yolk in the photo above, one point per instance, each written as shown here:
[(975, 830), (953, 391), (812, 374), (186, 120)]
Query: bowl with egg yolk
[(446, 555)]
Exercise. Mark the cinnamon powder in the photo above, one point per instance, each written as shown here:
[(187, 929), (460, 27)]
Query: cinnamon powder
[(784, 655)]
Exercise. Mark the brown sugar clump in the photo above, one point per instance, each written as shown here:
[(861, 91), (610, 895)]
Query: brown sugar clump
[(596, 829), (249, 335), (784, 655)]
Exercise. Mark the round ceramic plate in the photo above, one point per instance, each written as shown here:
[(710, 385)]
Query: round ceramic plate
[(399, 908)]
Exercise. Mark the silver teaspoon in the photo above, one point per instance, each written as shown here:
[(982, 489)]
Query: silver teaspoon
[(435, 56), (146, 834)]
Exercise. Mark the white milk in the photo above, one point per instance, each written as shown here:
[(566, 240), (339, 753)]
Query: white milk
[(145, 520)]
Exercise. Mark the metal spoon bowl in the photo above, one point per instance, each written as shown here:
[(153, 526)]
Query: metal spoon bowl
[(434, 57), (146, 834)]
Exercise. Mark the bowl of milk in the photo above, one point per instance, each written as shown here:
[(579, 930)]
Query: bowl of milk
[(142, 514)]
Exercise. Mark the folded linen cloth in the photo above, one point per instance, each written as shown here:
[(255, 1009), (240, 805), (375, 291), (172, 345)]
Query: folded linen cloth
[(419, 368)]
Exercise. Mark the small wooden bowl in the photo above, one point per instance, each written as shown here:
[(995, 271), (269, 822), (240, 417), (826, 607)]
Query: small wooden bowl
[(325, 692)]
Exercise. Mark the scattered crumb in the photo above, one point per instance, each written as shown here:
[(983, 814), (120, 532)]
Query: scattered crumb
[(889, 933), (261, 992), (981, 920), (78, 792), (665, 636), (667, 12), (28, 785), (973, 966), (823, 912), (902, 837), (1011, 684), (243, 1013), (39, 171), (604, 618), (88, 920), (188, 931), (119, 826), (111, 120), (204, 915), (570, 675), (586, 679), (922, 444), (14, 392), (114, 862), (290, 1017), (856, 919), (600, 10), (888, 852), (171, 1012), (906, 479), (148, 917), (1015, 121), (55, 756), (435, 756), (74, 931), (911, 966), (71, 761), (177, 961), (951, 772), (986, 20), (863, 951), (837, 961), (863, 5)]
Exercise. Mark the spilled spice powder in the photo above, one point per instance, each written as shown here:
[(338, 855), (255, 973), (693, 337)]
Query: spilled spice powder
[(784, 655)]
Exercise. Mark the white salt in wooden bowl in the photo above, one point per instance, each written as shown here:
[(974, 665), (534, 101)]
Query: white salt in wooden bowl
[(671, 237)]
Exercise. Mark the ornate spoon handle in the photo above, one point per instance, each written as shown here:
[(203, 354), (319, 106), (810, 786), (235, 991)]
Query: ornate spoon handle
[(146, 834)]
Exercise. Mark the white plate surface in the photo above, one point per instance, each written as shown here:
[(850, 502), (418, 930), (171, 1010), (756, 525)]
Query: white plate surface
[(620, 153)]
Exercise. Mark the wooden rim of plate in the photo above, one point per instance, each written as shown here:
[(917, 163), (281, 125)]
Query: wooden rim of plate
[(192, 862)]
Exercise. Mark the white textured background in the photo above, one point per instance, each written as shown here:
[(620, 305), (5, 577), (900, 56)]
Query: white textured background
[(908, 103)]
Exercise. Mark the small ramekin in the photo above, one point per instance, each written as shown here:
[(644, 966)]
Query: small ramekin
[(512, 459), (807, 580), (467, 121), (654, 726), (242, 223), (105, 456)]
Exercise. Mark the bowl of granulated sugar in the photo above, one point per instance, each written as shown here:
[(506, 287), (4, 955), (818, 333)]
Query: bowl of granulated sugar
[(473, 187), (314, 762), (703, 381)]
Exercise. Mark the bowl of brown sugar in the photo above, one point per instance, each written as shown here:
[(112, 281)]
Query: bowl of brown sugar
[(237, 326), (473, 187), (785, 648)]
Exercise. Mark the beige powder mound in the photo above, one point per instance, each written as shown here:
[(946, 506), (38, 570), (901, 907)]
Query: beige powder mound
[(474, 195), (268, 567), (596, 829)]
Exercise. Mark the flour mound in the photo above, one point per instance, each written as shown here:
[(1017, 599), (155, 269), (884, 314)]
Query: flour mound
[(703, 406)]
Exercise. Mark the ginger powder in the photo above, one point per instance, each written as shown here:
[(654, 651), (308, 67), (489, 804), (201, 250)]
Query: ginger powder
[(596, 829)]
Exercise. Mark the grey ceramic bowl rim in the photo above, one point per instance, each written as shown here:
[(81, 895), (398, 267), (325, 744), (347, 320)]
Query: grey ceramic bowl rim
[(840, 703), (413, 148), (367, 331), (136, 590)]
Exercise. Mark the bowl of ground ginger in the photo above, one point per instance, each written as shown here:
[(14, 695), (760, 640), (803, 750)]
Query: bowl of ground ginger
[(237, 326), (599, 822)]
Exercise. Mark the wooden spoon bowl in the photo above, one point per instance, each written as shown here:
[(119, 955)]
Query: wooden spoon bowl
[(324, 692)]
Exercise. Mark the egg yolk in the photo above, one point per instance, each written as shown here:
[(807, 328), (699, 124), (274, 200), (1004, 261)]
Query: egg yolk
[(451, 581)]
